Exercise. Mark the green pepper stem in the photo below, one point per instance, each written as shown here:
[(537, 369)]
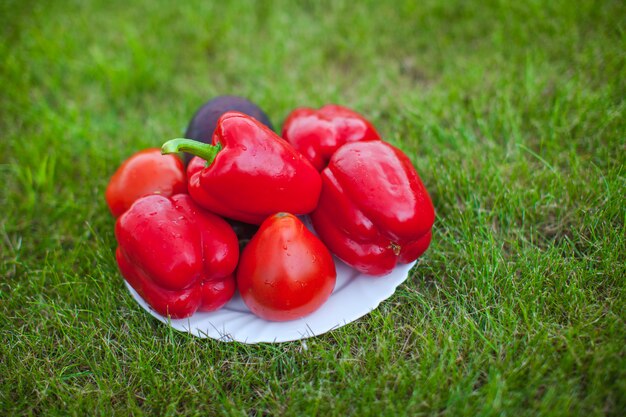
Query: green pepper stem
[(203, 150)]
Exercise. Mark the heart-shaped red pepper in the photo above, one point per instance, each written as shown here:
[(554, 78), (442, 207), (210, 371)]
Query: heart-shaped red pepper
[(285, 272), (250, 172), (178, 257)]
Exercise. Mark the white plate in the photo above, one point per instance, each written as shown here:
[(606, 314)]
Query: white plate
[(354, 296)]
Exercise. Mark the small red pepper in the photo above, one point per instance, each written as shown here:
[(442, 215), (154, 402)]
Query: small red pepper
[(317, 134), (178, 257), (146, 172), (285, 272), (374, 210), (251, 173)]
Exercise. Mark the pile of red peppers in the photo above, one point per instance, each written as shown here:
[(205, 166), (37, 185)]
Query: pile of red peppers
[(190, 236)]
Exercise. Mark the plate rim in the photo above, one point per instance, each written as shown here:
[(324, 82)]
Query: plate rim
[(185, 326)]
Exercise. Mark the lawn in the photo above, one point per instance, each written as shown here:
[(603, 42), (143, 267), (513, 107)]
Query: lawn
[(514, 114)]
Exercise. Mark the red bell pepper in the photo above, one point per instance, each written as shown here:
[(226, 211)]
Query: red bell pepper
[(178, 257), (374, 210), (317, 134), (146, 172), (285, 272), (251, 173)]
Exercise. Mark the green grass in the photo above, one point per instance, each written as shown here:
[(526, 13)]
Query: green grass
[(514, 115)]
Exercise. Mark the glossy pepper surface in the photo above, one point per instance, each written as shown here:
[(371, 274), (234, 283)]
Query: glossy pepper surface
[(317, 134), (250, 173), (146, 172), (244, 231), (374, 210), (285, 272), (178, 257)]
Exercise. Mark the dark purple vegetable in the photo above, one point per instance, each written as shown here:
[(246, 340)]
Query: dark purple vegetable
[(203, 123)]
